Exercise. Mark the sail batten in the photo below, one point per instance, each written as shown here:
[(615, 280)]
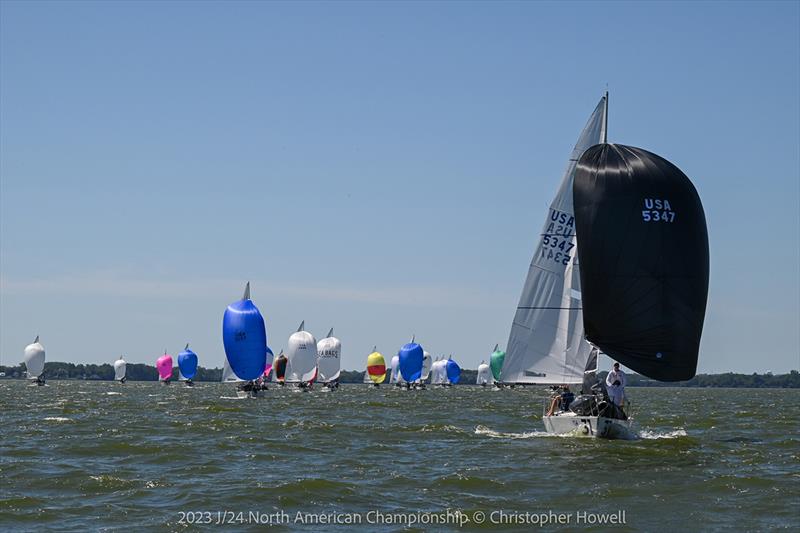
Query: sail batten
[(546, 343)]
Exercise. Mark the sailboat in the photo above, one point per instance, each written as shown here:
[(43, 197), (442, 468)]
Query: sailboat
[(301, 366), (484, 375), (329, 352), (453, 371), (120, 368), (265, 377), (410, 358), (438, 372), (496, 364), (622, 267), (164, 368), (33, 356), (394, 376), (376, 368), (279, 369), (187, 366), (427, 362), (244, 337)]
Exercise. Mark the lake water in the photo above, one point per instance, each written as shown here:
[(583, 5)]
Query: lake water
[(103, 456)]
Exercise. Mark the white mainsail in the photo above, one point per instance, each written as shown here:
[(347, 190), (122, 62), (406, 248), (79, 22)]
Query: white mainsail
[(34, 359), (329, 352), (120, 367), (228, 375), (547, 343)]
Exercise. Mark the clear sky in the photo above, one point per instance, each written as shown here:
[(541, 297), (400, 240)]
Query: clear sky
[(382, 168)]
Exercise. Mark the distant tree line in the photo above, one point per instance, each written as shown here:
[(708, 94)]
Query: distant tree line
[(133, 372), (142, 372), (728, 380)]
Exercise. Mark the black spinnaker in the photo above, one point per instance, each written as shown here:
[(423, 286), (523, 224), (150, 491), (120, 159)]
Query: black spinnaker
[(643, 252)]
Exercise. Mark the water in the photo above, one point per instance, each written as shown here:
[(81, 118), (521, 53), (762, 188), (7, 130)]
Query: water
[(99, 455)]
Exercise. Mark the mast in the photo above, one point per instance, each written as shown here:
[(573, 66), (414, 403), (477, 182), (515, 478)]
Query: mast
[(605, 121)]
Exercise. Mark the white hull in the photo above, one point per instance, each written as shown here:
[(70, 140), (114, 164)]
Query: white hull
[(590, 426), (246, 394)]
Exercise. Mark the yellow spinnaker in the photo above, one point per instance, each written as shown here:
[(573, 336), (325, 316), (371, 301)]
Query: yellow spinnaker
[(376, 367)]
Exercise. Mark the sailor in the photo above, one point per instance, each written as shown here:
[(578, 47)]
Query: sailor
[(561, 400), (615, 382)]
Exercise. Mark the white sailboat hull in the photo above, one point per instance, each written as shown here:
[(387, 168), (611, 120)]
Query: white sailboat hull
[(589, 426)]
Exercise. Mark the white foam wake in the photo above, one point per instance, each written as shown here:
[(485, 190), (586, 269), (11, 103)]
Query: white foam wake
[(647, 434), (482, 430)]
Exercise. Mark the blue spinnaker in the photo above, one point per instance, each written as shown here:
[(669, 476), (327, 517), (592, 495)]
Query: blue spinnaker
[(245, 338), (187, 363), (453, 371), (411, 356)]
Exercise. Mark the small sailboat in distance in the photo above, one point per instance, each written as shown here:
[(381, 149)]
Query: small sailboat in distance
[(34, 356), (245, 339), (484, 375), (496, 364), (279, 369), (187, 366), (427, 362), (120, 368), (301, 367), (410, 360), (376, 368), (164, 367), (329, 352), (438, 373), (394, 376), (265, 377), (453, 371)]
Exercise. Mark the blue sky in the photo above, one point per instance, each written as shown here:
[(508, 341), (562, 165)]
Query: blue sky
[(382, 168)]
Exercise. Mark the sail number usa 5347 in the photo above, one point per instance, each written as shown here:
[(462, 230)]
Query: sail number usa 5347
[(557, 241), (657, 210)]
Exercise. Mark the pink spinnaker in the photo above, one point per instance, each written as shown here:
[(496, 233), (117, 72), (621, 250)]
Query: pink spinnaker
[(164, 366)]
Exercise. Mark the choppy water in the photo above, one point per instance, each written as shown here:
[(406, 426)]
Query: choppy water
[(98, 455)]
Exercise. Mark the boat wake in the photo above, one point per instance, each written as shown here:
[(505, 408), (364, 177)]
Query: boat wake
[(652, 435), (57, 419), (114, 393), (482, 430)]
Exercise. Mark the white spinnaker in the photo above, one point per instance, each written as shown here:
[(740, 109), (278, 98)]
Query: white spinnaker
[(427, 364), (34, 359), (484, 374), (547, 343), (228, 375), (329, 359), (437, 372), (301, 354), (120, 367)]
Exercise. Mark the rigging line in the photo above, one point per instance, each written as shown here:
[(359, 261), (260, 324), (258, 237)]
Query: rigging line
[(565, 308)]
